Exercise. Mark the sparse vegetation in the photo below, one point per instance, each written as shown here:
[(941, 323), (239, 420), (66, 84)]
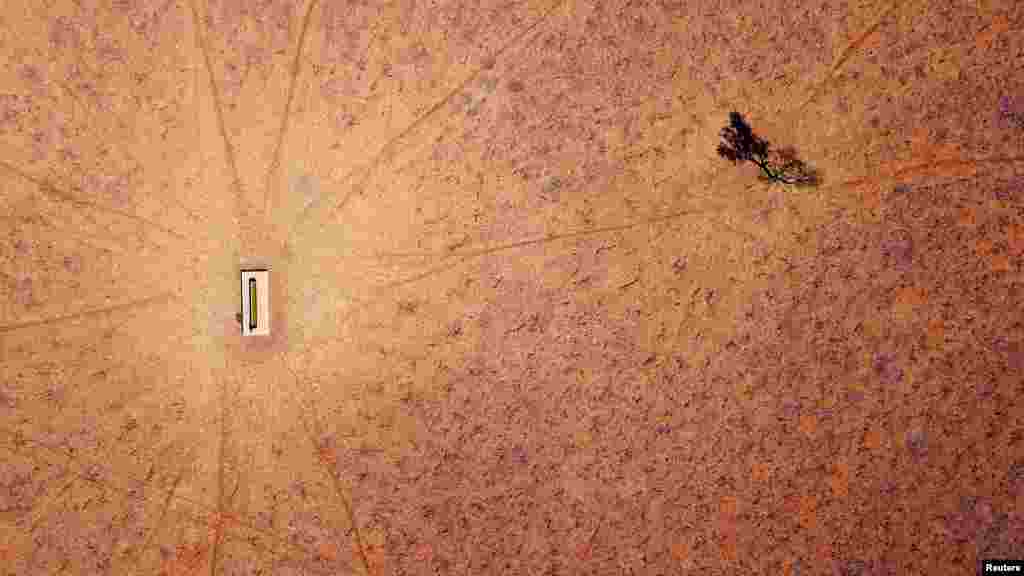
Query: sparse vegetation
[(742, 145)]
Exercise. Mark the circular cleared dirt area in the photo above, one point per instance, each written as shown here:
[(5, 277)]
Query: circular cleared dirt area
[(526, 320)]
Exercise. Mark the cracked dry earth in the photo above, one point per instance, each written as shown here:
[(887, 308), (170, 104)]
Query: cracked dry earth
[(525, 320)]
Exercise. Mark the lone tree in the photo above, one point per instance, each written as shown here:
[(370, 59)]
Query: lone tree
[(741, 144)]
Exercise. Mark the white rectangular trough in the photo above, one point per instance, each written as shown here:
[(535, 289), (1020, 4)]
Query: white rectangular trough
[(255, 302)]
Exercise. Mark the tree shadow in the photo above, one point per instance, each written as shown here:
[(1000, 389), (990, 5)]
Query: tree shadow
[(783, 166), (788, 168)]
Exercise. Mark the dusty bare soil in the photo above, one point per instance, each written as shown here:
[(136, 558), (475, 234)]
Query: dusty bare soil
[(526, 321)]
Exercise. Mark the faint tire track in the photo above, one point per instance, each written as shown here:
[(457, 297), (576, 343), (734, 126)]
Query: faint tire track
[(847, 54), (388, 148), (286, 117)]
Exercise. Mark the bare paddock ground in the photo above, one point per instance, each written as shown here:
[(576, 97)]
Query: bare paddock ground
[(525, 320)]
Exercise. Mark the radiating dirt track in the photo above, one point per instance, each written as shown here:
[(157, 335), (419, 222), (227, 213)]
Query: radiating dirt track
[(526, 321)]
